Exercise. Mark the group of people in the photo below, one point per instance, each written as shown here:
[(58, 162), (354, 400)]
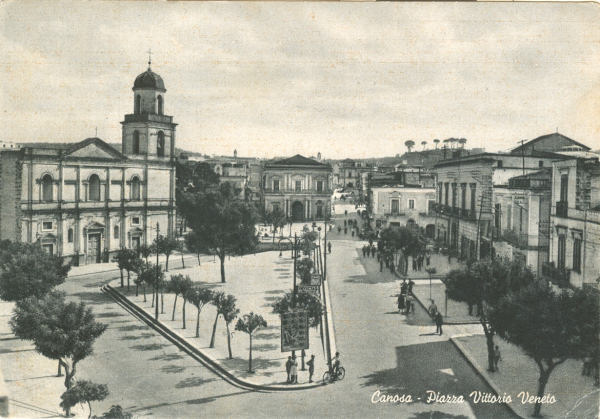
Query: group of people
[(369, 250), (405, 298), (291, 367), (421, 260)]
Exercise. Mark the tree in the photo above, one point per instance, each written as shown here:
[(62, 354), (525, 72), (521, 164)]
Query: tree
[(66, 332), (217, 301), (278, 219), (424, 144), (249, 324), (132, 264), (116, 412), (195, 243), (401, 239), (121, 257), (154, 276), (550, 327), (136, 266), (436, 142), (83, 392), (304, 268), (223, 222), (179, 285), (181, 250), (462, 142), (229, 312), (199, 297), (166, 245), (409, 144), (146, 251), (305, 301), (27, 270), (483, 283)]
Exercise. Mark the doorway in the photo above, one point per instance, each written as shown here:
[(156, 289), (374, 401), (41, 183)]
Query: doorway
[(135, 244), (94, 251), (297, 211)]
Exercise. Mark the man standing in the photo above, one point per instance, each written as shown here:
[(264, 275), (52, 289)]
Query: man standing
[(439, 321), (311, 368), (294, 371), (329, 246), (496, 357), (288, 368)]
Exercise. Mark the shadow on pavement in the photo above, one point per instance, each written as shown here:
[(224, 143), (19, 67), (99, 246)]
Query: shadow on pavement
[(194, 382), (92, 297), (265, 336), (167, 357), (132, 327), (264, 347), (149, 347), (109, 314), (241, 366), (172, 369), (364, 279)]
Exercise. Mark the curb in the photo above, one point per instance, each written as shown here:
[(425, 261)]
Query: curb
[(484, 375), (445, 322), (117, 269), (194, 352)]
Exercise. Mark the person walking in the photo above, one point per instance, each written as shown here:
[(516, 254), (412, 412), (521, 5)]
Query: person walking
[(288, 368), (400, 302), (294, 371), (311, 368), (329, 246), (409, 304), (410, 286), (432, 309), (439, 321), (496, 357), (380, 265), (392, 267)]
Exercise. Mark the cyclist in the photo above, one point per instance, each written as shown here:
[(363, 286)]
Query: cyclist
[(336, 364)]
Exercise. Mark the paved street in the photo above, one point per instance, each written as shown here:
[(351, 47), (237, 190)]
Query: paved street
[(381, 350)]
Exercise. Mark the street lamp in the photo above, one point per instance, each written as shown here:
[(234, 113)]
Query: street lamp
[(157, 274), (430, 271)]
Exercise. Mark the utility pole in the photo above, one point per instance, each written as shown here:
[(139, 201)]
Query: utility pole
[(523, 154)]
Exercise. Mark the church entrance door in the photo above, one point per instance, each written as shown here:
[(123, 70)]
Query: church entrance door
[(297, 211)]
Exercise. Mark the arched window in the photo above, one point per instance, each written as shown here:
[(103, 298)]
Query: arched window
[(136, 143), (159, 101), (160, 144), (47, 188), (70, 235), (138, 104), (135, 189), (94, 186)]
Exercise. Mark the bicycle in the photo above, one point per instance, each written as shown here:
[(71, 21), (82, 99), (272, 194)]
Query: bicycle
[(331, 376)]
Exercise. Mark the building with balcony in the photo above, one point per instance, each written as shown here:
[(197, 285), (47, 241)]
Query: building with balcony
[(85, 200), (575, 221), (465, 196), (299, 186), (521, 225)]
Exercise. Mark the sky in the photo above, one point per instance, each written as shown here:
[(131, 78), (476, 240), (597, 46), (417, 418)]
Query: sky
[(272, 79)]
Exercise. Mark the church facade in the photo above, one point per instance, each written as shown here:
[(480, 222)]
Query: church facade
[(298, 186), (84, 201)]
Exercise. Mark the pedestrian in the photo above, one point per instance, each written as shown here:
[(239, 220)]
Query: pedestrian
[(410, 286), (403, 287), (439, 321), (329, 247), (339, 229), (392, 267), (380, 265), (400, 302), (345, 230), (288, 368), (294, 371), (432, 309), (428, 259), (352, 232), (496, 357), (409, 304), (345, 223), (373, 251), (414, 263), (311, 368), (364, 250)]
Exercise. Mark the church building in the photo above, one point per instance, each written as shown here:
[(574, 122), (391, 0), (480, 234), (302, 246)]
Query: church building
[(84, 201)]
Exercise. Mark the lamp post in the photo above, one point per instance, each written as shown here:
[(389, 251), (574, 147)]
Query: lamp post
[(157, 274), (430, 271)]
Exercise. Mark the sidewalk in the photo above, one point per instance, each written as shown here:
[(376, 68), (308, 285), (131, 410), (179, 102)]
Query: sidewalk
[(576, 396), (256, 281), (454, 312)]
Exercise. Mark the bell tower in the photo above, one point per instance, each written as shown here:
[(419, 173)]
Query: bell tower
[(147, 132)]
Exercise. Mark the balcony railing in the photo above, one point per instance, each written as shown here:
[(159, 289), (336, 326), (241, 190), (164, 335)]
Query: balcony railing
[(562, 208), (556, 275)]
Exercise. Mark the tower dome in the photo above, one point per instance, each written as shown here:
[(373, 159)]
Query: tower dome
[(149, 80)]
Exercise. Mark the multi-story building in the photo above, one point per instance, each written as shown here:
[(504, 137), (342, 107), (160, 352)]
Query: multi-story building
[(85, 200), (575, 222), (299, 186), (521, 226), (465, 196)]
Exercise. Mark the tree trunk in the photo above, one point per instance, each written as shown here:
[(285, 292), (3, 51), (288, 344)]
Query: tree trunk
[(182, 262), (128, 277), (183, 312), (222, 259), (90, 407), (162, 302), (174, 305), (153, 296), (489, 339), (542, 381), (212, 339), (167, 263), (198, 324), (198, 257), (59, 373), (250, 357), (144, 289), (228, 341), (121, 271), (137, 289)]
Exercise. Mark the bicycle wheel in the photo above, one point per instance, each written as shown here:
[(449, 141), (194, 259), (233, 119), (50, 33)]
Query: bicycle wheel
[(326, 377), (341, 373)]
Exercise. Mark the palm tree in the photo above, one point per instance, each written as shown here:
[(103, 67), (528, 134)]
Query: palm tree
[(199, 297), (229, 312), (409, 144), (436, 141), (146, 251), (250, 323), (423, 143), (462, 142)]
